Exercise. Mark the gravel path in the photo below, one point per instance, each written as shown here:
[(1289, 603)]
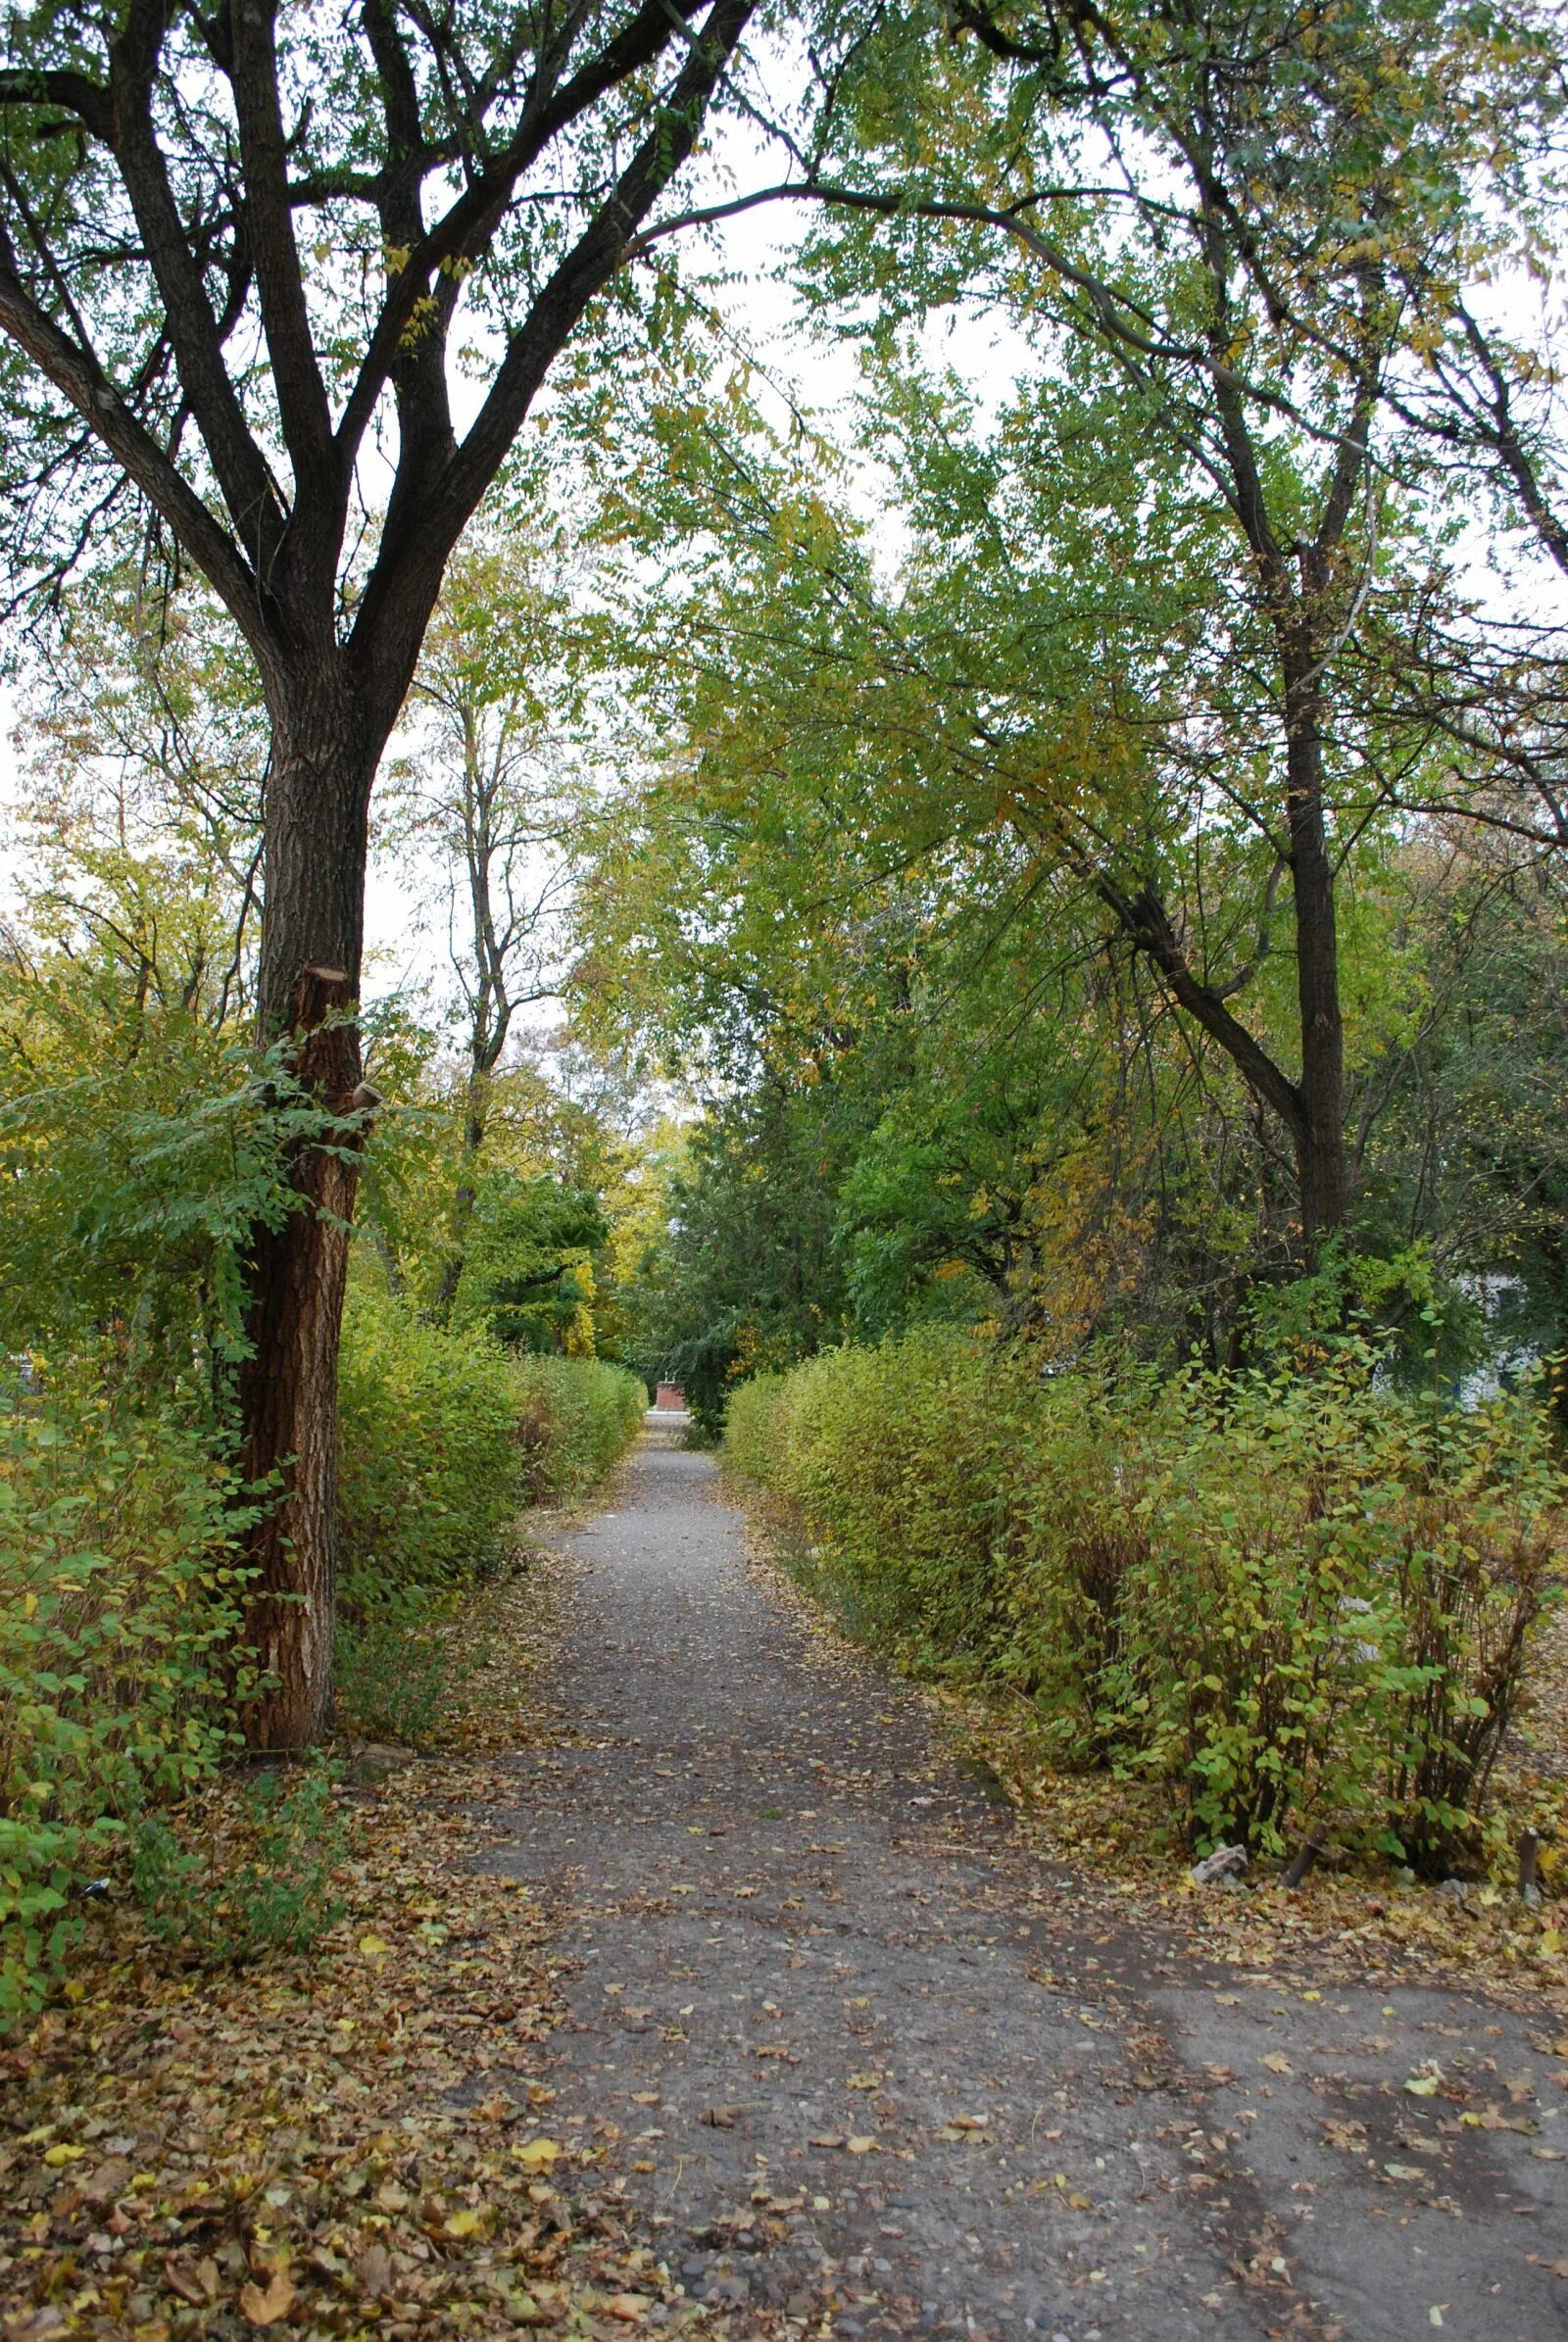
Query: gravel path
[(857, 2053)]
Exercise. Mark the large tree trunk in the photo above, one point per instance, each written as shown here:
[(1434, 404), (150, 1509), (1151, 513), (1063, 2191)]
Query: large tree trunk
[(323, 762)]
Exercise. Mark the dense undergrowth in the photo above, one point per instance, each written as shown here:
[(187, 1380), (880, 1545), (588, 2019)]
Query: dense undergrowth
[(121, 1593), (1284, 1597)]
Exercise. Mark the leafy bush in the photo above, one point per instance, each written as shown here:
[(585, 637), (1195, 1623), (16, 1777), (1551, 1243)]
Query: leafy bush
[(391, 1662), (119, 1586), (260, 1884), (578, 1416), (1280, 1594), (430, 1480), (445, 1437)]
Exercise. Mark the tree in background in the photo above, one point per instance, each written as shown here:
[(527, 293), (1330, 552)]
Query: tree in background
[(240, 247), (1229, 244), (491, 790)]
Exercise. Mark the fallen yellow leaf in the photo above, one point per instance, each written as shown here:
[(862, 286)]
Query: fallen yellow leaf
[(57, 2156), (537, 2153), (1277, 2062), (861, 2146), (461, 2223)]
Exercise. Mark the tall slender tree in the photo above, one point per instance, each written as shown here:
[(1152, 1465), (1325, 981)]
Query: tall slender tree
[(492, 789)]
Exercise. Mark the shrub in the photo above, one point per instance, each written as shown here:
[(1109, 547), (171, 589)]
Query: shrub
[(578, 1416), (257, 1879), (445, 1437), (119, 1586), (1278, 1594), (429, 1482)]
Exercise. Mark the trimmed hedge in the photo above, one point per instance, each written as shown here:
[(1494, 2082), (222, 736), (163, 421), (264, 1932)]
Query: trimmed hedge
[(445, 1436), (1283, 1595)]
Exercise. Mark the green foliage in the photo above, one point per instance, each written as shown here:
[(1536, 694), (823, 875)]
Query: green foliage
[(140, 1148), (527, 1276), (576, 1419), (264, 1885), (119, 1593), (392, 1660), (431, 1470), (1282, 1593), (745, 1274), (446, 1436)]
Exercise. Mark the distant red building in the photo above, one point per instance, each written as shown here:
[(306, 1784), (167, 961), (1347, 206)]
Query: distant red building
[(671, 1398)]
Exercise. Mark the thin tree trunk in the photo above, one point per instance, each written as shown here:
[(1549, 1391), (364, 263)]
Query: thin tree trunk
[(1322, 1164), (312, 940), (476, 1121)]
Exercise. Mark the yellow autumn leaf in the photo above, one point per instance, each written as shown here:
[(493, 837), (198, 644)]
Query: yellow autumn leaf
[(866, 2081), (467, 2222), (63, 2154), (537, 2153), (861, 2146), (375, 1947), (1421, 2085), (1277, 2062)]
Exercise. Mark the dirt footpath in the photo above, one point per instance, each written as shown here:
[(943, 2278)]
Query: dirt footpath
[(859, 2056)]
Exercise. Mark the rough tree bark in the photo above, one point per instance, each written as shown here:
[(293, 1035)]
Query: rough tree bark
[(288, 1383)]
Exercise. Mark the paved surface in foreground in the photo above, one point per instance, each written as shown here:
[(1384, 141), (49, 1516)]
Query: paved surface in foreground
[(857, 2050)]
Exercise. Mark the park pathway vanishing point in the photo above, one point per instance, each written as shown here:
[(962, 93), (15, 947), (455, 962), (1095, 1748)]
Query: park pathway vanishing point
[(857, 2051)]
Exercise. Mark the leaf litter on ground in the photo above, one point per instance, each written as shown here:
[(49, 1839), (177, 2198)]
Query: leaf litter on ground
[(1349, 1923), (330, 2143)]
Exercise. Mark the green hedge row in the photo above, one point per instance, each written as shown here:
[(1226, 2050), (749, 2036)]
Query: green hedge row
[(121, 1586), (445, 1436), (1285, 1597)]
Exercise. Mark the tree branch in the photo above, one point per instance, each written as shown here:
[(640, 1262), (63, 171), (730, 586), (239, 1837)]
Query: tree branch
[(319, 474), (77, 374)]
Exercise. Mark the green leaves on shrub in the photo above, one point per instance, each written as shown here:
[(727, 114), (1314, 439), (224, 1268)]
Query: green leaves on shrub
[(1280, 1594), (445, 1437), (119, 1588)]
